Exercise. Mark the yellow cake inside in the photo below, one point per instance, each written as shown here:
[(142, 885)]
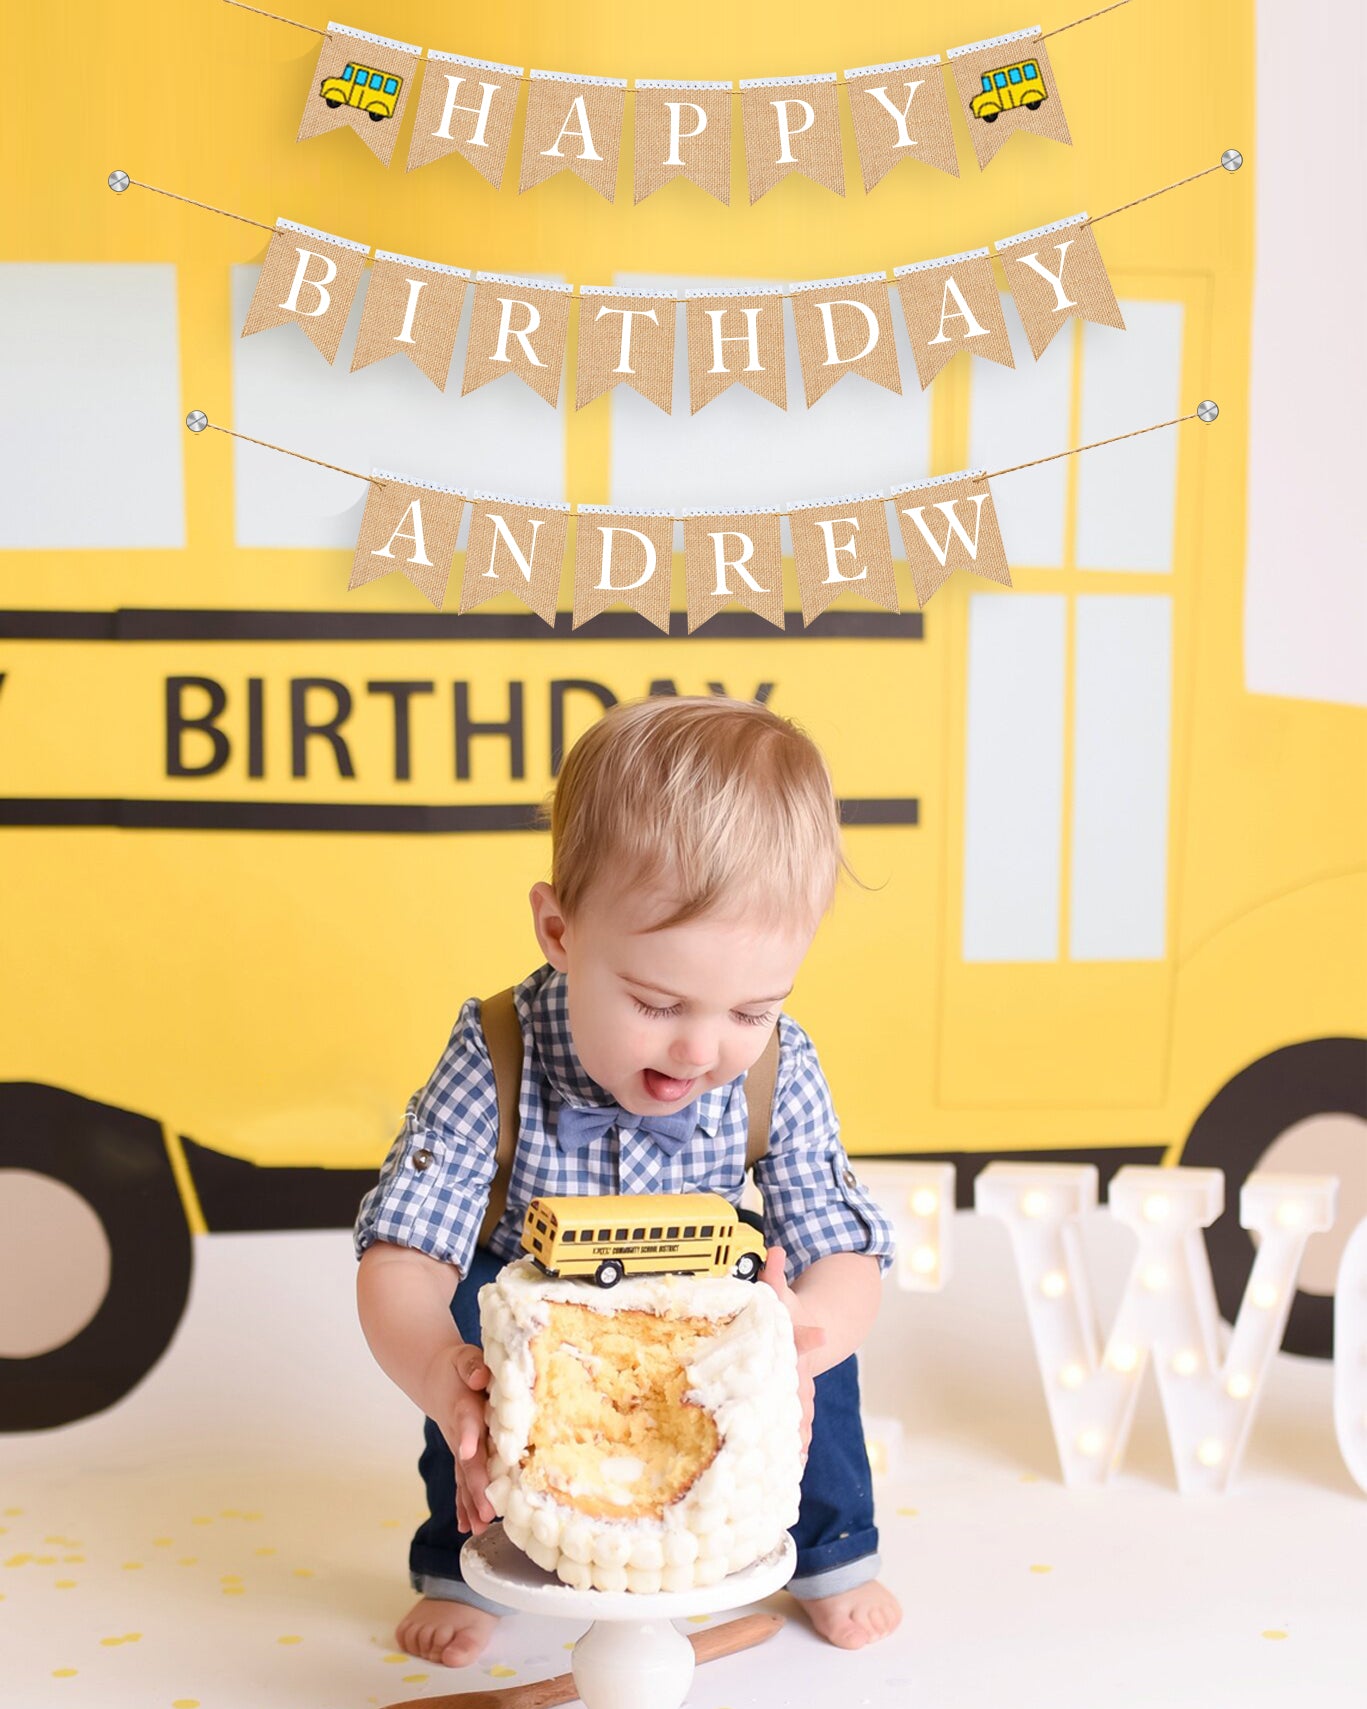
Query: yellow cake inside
[(613, 1435)]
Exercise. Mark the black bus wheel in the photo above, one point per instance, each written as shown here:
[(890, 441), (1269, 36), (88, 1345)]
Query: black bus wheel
[(1299, 1110), (746, 1267), (90, 1300), (608, 1273)]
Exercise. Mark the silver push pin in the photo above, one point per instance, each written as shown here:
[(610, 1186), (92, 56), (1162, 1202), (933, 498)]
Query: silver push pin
[(1207, 410), (119, 182), (197, 421), (1231, 160)]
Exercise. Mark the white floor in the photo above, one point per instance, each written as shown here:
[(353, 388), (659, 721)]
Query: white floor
[(233, 1534)]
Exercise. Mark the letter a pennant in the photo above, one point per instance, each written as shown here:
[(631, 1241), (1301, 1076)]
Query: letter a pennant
[(950, 524), (411, 527), (362, 82), (308, 278), (574, 124)]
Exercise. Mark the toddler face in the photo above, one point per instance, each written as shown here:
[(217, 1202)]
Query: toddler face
[(659, 1017)]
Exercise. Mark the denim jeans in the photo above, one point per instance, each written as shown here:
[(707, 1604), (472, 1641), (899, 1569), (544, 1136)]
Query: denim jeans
[(836, 1539)]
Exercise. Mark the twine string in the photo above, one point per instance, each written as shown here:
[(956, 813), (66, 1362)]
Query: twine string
[(311, 28), (1152, 193), (1060, 28), (266, 446), (208, 207)]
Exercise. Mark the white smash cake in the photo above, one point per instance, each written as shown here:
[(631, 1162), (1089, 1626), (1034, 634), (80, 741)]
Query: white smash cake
[(644, 1438)]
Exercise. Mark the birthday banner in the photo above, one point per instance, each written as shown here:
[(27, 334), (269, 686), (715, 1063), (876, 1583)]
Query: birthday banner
[(899, 110), (625, 555)]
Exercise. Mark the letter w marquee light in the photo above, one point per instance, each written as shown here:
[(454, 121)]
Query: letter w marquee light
[(1168, 1310)]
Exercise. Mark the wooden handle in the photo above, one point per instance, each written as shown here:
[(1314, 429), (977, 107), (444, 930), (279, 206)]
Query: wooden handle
[(734, 1635)]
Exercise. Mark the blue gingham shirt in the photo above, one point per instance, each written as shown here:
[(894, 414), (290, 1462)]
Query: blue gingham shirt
[(813, 1203)]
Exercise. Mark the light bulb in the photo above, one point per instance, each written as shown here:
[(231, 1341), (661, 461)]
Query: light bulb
[(1054, 1285), (1155, 1207), (1239, 1387), (1211, 1452), (925, 1201), (1072, 1376), (1123, 1358), (923, 1260), (1291, 1214), (1035, 1203), (1185, 1362), (1264, 1296), (1155, 1278), (1090, 1443)]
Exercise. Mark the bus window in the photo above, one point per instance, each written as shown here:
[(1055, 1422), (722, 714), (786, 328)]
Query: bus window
[(347, 74), (1000, 77), (672, 1233), (376, 80), (1014, 74), (656, 1233), (987, 83), (621, 1234), (605, 1234), (707, 1231), (390, 85), (570, 1234), (1032, 70), (691, 1232), (638, 1234)]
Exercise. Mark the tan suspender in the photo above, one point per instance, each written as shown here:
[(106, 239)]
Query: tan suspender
[(503, 1035)]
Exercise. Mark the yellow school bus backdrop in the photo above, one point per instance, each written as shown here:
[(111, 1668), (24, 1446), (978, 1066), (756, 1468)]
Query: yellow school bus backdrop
[(261, 837)]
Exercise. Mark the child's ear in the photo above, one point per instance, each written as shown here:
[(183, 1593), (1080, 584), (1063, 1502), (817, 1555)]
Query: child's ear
[(549, 924)]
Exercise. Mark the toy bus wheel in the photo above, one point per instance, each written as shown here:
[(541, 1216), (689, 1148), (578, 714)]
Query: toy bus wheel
[(376, 114), (746, 1267), (608, 1273), (331, 102), (989, 118), (1032, 106)]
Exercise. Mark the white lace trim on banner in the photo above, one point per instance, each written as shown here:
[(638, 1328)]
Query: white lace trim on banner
[(413, 481), (993, 41), (730, 510), (632, 510), (417, 261), (379, 41), (944, 261), (892, 65), (832, 503), (677, 83), (507, 498), (1040, 231), (938, 481), (323, 236), (525, 284), (628, 291), (846, 279), (785, 82), (574, 77), (739, 291), (475, 64)]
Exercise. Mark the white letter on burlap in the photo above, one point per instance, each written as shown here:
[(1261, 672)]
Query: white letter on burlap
[(595, 545), (933, 561), (394, 511), (564, 108), (290, 292), (484, 143), (757, 559), (1070, 280), (500, 336), (763, 370), (862, 522), (1168, 1308), (880, 106), (515, 547)]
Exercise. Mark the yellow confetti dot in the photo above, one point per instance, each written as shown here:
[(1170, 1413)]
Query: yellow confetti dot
[(230, 1578), (252, 1516), (415, 1679), (73, 1560), (65, 1584), (234, 1590), (188, 1561), (396, 1658), (1041, 1569), (132, 1566), (13, 1512), (64, 1673), (265, 1551), (1029, 1477), (698, 1619), (185, 1703), (162, 1542), (907, 1512), (18, 1560), (231, 1513), (45, 1560), (292, 1638), (203, 1519), (570, 1645), (498, 1671), (1274, 1633), (303, 1572)]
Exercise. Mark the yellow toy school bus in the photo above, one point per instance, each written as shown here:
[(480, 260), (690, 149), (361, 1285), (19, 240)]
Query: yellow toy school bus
[(375, 92), (609, 1236), (1018, 85)]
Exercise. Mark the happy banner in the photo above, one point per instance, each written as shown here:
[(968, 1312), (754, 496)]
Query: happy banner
[(899, 110)]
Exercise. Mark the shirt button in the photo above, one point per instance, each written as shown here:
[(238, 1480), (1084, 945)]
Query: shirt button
[(850, 1180), (422, 1160)]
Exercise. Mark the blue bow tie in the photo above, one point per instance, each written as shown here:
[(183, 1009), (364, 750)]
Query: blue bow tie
[(576, 1128)]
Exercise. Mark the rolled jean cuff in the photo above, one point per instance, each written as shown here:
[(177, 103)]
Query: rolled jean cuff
[(455, 1590), (835, 1579)]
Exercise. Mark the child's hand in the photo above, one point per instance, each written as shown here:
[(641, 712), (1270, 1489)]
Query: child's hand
[(808, 1336), (457, 1405)]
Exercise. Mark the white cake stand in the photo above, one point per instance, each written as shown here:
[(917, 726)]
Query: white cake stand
[(631, 1657)]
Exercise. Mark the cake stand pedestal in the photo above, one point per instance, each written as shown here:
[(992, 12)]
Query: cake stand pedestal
[(631, 1657)]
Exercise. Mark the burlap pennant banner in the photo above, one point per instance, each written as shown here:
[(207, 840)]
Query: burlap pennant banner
[(1006, 84), (844, 326), (412, 308), (901, 112), (623, 557), (626, 338), (515, 546), (361, 82), (683, 130), (951, 305), (791, 124), (518, 326), (950, 524), (310, 279), (736, 338), (733, 558), (841, 545), (411, 526), (1056, 272), (466, 107), (574, 124)]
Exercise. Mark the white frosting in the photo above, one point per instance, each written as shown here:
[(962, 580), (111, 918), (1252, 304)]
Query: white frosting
[(745, 1377)]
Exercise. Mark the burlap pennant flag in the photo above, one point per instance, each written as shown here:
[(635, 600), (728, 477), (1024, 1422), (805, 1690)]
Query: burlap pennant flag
[(1007, 84), (410, 526), (844, 326), (363, 82), (518, 326), (622, 557), (683, 130), (574, 124), (1056, 272), (626, 338), (840, 545), (310, 279), (736, 338), (733, 559), (412, 308), (951, 305), (948, 524), (515, 546), (466, 107), (901, 112), (791, 124)]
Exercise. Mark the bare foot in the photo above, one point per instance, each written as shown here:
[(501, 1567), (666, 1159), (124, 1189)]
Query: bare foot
[(855, 1617), (451, 1634)]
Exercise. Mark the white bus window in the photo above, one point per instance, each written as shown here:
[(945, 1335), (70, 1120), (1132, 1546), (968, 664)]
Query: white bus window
[(1017, 414), (1014, 782), (386, 416), (1127, 493), (90, 394), (1121, 723)]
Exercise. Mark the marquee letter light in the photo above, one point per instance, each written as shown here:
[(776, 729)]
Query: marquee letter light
[(1168, 1308), (1350, 1355), (918, 1198)]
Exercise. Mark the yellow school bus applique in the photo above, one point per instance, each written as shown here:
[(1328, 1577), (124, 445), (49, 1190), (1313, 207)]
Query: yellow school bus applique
[(1018, 85), (374, 92), (641, 1234)]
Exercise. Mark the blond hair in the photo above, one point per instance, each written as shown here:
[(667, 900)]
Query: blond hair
[(721, 802)]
